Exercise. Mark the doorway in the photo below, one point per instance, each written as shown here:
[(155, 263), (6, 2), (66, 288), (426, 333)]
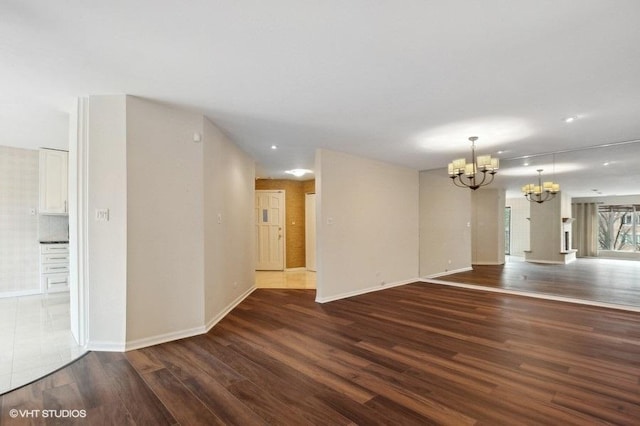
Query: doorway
[(270, 230)]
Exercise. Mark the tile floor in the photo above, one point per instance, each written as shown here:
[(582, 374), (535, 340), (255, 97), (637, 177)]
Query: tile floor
[(35, 338), (286, 279)]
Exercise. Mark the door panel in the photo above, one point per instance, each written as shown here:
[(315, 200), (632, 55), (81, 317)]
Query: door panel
[(270, 230)]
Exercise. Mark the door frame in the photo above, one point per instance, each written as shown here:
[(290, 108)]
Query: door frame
[(310, 225)]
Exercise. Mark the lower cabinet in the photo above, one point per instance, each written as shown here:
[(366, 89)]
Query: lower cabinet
[(54, 267)]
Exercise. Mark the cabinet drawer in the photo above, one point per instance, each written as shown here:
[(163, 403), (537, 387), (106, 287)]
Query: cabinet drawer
[(54, 282), (54, 248), (54, 268), (55, 258)]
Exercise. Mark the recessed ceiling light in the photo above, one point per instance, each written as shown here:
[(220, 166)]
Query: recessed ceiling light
[(605, 163), (525, 164), (501, 152), (298, 172), (571, 119), (274, 147)]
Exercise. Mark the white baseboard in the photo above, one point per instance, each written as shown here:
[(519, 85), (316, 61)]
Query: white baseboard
[(182, 334), (365, 290), (488, 263), (20, 293), (105, 346), (163, 338), (454, 271), (550, 262), (209, 325)]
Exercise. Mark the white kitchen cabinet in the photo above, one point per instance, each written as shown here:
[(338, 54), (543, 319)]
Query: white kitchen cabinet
[(54, 185), (54, 267)]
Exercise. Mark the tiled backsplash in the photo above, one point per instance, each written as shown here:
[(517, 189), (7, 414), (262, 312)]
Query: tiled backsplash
[(19, 267), (53, 228)]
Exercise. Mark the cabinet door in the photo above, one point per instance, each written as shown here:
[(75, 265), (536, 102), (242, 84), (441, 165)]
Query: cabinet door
[(53, 182)]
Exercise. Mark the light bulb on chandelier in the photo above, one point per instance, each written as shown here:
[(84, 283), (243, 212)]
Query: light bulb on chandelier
[(466, 175)]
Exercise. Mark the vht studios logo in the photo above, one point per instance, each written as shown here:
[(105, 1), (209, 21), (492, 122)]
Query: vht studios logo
[(52, 414)]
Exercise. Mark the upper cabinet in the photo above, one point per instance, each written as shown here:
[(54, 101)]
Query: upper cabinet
[(53, 182)]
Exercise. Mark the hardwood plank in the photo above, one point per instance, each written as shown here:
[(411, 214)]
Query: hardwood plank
[(603, 280), (415, 354), (139, 400), (180, 401)]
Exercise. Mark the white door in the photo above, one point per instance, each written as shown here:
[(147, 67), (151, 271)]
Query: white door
[(270, 230), (310, 231)]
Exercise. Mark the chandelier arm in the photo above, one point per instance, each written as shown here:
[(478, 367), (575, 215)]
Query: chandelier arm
[(492, 174), (458, 182)]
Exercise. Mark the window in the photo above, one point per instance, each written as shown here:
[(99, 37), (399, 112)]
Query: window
[(619, 228)]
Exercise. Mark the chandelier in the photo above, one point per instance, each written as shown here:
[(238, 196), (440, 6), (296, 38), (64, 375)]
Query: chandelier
[(542, 191), (467, 175)]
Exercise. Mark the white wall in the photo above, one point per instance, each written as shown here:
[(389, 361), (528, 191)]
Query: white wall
[(445, 225), (487, 224), (107, 241), (367, 225), (520, 208), (165, 225), (229, 246)]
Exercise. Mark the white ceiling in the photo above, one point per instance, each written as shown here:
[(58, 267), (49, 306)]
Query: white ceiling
[(401, 81)]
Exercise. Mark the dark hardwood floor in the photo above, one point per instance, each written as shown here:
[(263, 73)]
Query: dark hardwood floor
[(600, 280), (417, 354)]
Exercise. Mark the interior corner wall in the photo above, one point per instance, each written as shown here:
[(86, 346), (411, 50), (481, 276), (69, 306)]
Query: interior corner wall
[(487, 226), (367, 225), (165, 225), (229, 245), (107, 249), (445, 225), (520, 215)]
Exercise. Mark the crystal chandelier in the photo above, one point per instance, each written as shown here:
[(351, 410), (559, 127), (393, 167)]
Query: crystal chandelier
[(467, 175), (542, 191)]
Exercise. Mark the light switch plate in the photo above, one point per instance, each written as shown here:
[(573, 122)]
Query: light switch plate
[(102, 215)]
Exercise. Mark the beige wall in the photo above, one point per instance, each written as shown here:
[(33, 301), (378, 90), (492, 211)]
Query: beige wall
[(229, 260), (367, 225), (163, 266), (546, 230), (445, 225), (165, 225), (295, 217), (487, 226), (107, 188)]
